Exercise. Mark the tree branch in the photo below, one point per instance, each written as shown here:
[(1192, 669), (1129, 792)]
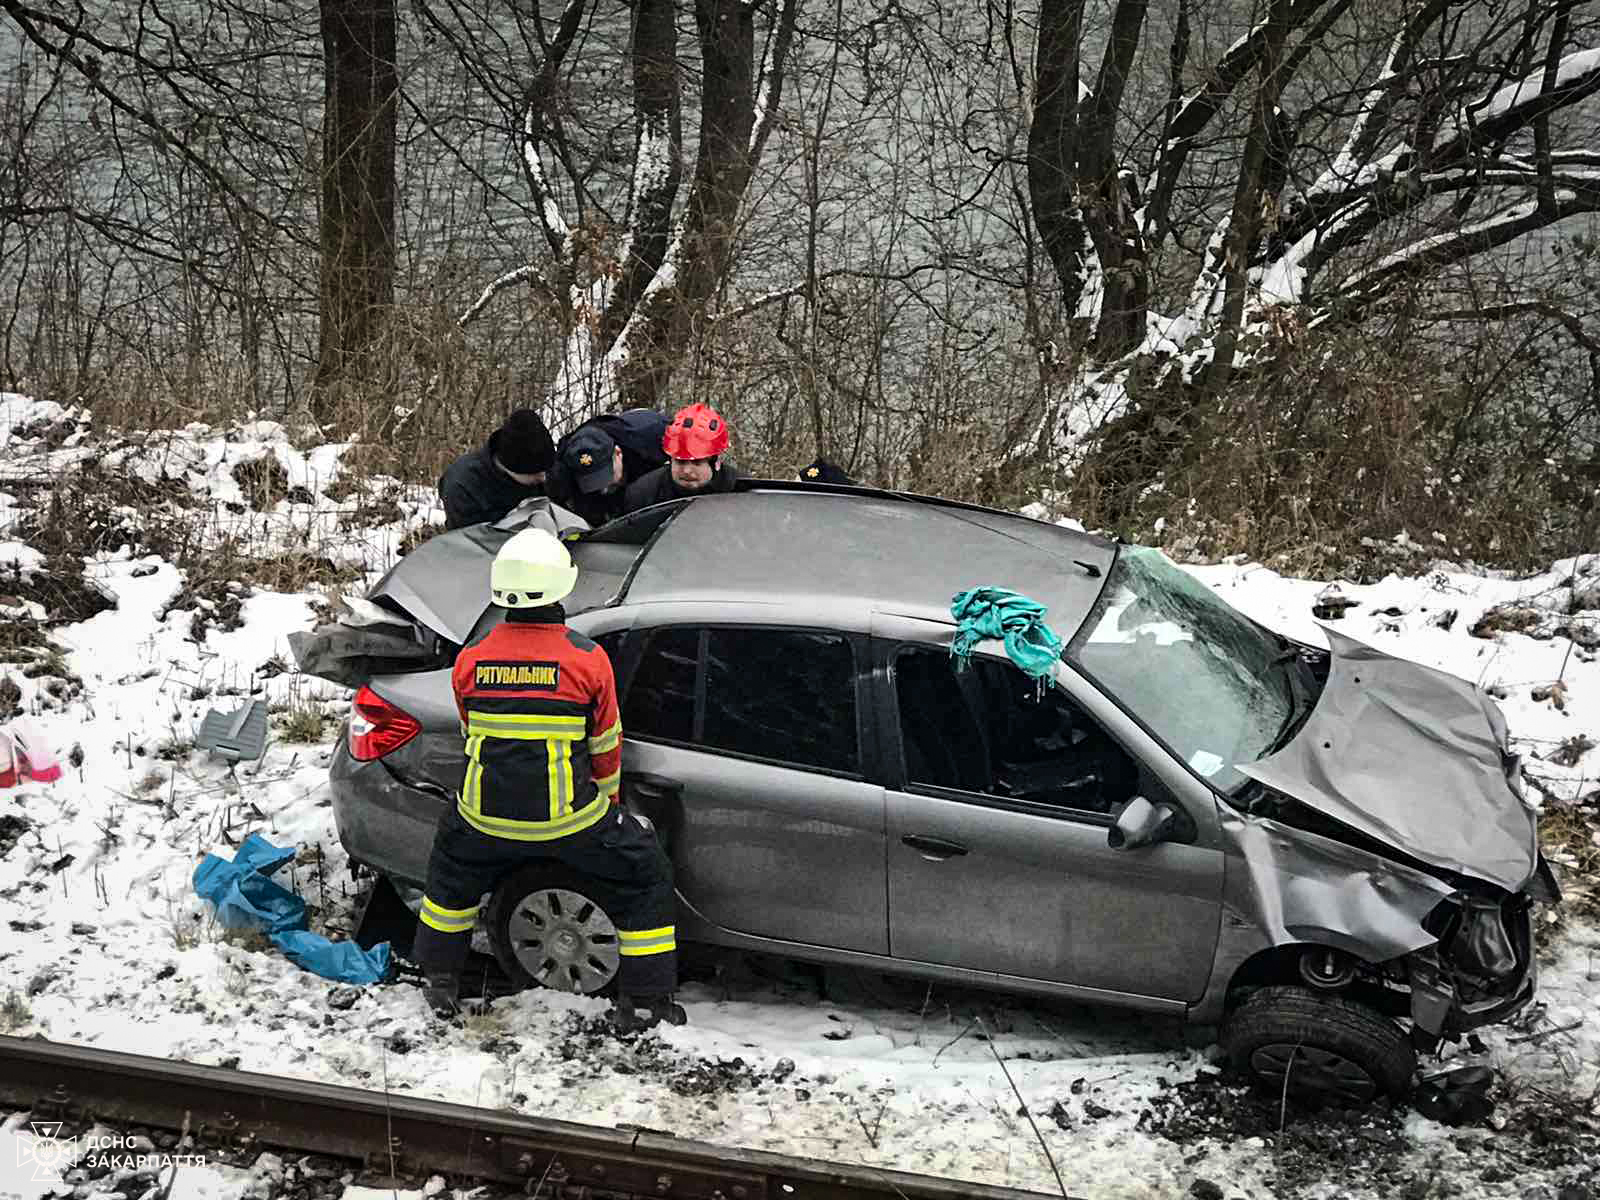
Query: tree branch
[(90, 69), (1360, 292), (540, 94), (1198, 110), (1384, 189), (530, 273), (769, 86)]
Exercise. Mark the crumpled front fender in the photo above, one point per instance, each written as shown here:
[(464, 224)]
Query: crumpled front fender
[(1302, 887)]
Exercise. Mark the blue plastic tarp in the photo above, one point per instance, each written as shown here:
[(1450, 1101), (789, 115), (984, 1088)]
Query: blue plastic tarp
[(246, 899)]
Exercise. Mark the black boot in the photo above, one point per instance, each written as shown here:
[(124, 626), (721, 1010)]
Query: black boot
[(634, 1014), (441, 992)]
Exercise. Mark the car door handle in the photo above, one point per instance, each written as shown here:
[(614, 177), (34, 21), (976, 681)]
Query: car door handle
[(647, 784), (933, 849)]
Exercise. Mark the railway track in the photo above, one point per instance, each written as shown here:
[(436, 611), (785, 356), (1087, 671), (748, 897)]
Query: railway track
[(402, 1135)]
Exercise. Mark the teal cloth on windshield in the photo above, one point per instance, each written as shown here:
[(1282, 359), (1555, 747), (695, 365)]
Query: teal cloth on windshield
[(1008, 617)]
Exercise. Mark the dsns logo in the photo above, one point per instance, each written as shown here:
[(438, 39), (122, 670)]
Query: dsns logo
[(45, 1151)]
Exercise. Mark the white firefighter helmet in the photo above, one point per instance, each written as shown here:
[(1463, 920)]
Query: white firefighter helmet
[(533, 568)]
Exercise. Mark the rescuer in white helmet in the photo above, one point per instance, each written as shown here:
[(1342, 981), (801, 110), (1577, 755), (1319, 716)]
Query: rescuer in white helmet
[(544, 757)]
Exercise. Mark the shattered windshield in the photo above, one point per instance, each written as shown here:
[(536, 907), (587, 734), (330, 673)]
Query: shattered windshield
[(1216, 688)]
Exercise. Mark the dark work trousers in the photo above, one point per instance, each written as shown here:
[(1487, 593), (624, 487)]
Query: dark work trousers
[(630, 874)]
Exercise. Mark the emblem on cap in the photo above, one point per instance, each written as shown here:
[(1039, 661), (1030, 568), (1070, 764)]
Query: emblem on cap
[(812, 472), (586, 459)]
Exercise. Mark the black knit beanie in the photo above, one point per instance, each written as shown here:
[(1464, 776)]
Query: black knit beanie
[(523, 445)]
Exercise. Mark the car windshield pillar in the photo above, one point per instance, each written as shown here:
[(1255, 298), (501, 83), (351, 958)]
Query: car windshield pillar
[(1201, 677)]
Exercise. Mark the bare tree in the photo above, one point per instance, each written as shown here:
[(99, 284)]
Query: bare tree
[(1319, 193), (358, 197), (633, 301)]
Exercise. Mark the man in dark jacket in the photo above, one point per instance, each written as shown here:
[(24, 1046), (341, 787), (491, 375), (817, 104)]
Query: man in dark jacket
[(489, 482), (597, 460), (694, 441)]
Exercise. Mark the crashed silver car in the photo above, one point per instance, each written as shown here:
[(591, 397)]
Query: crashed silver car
[(1324, 852)]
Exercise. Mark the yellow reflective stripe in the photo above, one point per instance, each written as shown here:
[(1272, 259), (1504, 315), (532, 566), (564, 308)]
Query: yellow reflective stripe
[(472, 784), (434, 922), (448, 920), (525, 728), (608, 740), (568, 787), (634, 935), (528, 718), (538, 831), (608, 783), (440, 910), (637, 943), (558, 778), (501, 721)]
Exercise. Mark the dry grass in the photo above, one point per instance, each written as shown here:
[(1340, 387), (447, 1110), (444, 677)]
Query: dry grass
[(304, 724), (1569, 832), (14, 1012), (1315, 465)]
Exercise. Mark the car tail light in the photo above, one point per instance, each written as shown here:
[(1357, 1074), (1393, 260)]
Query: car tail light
[(378, 727)]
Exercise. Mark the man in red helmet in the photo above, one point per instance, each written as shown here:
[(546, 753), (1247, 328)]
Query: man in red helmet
[(695, 440)]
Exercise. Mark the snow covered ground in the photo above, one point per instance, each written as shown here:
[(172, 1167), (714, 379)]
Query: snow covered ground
[(105, 943)]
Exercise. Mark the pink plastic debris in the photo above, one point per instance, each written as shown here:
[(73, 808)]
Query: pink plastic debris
[(25, 755)]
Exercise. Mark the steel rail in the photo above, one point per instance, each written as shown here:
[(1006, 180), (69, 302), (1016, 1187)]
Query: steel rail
[(401, 1134)]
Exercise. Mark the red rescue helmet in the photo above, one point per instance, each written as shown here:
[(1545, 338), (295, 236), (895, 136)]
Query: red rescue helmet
[(697, 431)]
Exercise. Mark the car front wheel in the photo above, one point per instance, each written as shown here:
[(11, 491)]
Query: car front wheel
[(1319, 1049), (548, 929)]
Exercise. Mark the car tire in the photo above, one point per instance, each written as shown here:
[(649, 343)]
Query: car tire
[(548, 930), (1336, 1052)]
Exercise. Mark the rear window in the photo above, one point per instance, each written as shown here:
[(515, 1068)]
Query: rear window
[(660, 700), (783, 695)]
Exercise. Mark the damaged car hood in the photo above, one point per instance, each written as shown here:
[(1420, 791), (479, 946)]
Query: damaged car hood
[(1413, 757), (443, 584)]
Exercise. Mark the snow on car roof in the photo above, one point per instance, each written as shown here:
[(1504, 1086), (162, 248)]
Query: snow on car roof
[(888, 553)]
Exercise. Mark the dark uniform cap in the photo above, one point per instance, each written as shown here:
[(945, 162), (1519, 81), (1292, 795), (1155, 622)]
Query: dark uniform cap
[(588, 455), (523, 444), (822, 471)]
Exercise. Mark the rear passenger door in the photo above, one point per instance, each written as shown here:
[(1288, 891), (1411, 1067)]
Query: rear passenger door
[(751, 740)]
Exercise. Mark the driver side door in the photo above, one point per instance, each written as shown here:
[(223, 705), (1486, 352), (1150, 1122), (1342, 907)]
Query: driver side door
[(1000, 797)]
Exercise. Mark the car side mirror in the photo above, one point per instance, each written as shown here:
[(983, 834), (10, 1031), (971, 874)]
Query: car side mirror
[(1140, 823)]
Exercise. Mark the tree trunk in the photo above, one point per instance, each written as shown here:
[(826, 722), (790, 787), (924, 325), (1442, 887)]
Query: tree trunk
[(674, 316), (1245, 225), (1053, 145), (358, 196)]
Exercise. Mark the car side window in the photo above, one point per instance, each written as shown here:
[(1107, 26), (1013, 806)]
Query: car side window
[(611, 643), (660, 699), (784, 694), (989, 728)]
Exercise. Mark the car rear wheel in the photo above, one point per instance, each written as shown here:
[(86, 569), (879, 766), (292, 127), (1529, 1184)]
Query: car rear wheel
[(548, 929), (1329, 1050)]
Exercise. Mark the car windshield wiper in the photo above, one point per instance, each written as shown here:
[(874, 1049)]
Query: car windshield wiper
[(1298, 712)]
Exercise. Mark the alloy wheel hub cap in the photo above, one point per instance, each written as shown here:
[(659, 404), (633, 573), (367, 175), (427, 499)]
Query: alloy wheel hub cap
[(564, 940), (1314, 1072)]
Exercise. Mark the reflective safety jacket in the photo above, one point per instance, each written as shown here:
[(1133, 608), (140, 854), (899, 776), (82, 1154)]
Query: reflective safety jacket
[(544, 739)]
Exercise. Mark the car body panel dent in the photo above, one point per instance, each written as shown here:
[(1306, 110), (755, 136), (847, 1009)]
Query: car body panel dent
[(1413, 757), (1306, 888)]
